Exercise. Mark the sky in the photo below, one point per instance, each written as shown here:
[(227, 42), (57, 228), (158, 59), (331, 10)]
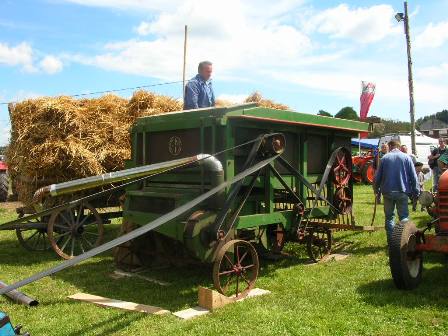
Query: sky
[(310, 55)]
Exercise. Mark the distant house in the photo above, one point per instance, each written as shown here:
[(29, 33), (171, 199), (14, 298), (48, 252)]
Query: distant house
[(434, 128)]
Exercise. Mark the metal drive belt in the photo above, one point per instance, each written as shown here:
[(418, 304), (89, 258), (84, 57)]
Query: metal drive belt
[(141, 230)]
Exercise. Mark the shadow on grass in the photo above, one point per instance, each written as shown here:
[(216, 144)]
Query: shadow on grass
[(431, 291), (109, 326)]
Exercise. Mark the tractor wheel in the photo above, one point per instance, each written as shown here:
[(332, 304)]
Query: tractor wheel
[(405, 263), (4, 183), (368, 173), (318, 244)]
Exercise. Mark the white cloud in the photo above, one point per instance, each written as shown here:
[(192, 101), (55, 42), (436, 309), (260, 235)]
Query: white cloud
[(51, 64), (143, 28), (363, 25), (230, 35), (19, 55), (434, 36), (22, 55)]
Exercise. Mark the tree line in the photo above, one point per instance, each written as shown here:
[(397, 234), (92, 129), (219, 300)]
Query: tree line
[(385, 126)]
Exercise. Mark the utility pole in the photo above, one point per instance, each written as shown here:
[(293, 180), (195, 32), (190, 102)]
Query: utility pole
[(185, 62), (405, 19)]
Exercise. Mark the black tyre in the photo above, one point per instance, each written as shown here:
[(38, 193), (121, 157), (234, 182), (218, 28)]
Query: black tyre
[(405, 263), (4, 184), (368, 173)]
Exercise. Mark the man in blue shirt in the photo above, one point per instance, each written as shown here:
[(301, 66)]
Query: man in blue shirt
[(396, 180), (199, 90)]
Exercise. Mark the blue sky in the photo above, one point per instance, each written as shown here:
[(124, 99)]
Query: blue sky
[(310, 55)]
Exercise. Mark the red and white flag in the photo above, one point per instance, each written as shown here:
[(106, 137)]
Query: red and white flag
[(367, 94)]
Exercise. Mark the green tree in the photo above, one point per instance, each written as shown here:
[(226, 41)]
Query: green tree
[(324, 113), (347, 113)]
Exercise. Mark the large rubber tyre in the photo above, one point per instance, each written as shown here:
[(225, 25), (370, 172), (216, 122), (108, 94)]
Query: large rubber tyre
[(4, 184), (368, 173), (406, 265)]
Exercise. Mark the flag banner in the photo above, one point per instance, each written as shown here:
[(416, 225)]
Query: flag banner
[(367, 94)]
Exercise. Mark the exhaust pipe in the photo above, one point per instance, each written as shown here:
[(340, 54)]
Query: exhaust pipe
[(214, 166), (19, 297)]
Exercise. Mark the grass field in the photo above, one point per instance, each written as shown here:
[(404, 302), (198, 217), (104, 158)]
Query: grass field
[(355, 296)]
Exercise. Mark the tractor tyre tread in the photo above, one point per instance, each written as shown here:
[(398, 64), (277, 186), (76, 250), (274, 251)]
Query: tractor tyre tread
[(397, 262)]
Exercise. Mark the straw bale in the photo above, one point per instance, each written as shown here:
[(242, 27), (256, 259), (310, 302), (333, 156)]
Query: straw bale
[(55, 139), (256, 97)]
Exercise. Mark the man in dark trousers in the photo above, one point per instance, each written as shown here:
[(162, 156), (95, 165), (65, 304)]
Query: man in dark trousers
[(199, 91), (397, 181)]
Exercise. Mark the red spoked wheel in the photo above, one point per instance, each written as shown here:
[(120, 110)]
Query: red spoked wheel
[(343, 200), (342, 168), (235, 269)]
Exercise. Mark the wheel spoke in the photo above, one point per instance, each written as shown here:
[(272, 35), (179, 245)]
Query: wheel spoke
[(228, 259), (245, 279), (82, 247), (36, 232), (91, 245), (244, 256), (237, 285), (248, 266), (65, 219), (66, 242), (72, 247), (79, 214), (227, 272)]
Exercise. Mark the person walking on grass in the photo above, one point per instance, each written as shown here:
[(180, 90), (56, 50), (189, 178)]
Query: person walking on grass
[(396, 179)]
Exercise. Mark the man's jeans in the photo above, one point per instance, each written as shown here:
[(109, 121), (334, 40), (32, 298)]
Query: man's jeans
[(435, 176), (391, 200)]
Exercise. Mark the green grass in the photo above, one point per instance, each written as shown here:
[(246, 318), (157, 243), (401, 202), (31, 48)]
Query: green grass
[(355, 296)]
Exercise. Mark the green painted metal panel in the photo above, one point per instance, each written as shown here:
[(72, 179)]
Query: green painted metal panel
[(251, 221)]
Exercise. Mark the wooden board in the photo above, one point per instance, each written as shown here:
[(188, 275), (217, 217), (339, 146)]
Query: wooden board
[(106, 302)]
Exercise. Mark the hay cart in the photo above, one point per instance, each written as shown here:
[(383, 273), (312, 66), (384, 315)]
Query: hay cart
[(274, 176), (408, 243)]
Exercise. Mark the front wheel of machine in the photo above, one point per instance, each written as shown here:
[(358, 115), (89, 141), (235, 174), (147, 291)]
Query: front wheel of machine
[(318, 244), (405, 263), (235, 269)]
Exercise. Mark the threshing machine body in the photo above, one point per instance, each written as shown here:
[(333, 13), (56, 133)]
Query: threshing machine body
[(310, 141)]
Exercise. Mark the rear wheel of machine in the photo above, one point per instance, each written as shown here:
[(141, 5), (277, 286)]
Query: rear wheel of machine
[(235, 269), (405, 263), (4, 184), (368, 173), (318, 244), (34, 239), (75, 230)]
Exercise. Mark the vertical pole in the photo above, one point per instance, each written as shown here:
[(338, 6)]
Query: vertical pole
[(410, 79), (359, 144), (185, 62)]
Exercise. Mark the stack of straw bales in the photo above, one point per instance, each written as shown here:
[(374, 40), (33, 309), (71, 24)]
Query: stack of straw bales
[(62, 138)]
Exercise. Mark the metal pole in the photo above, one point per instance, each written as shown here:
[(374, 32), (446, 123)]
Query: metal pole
[(185, 61), (410, 79)]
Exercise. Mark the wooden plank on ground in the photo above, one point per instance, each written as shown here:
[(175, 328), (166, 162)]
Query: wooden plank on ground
[(106, 302)]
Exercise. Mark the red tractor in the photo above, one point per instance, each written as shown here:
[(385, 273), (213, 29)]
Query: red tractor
[(408, 243), (4, 181), (363, 170)]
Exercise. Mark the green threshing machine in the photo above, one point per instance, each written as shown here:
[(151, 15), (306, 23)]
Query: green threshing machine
[(216, 185)]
